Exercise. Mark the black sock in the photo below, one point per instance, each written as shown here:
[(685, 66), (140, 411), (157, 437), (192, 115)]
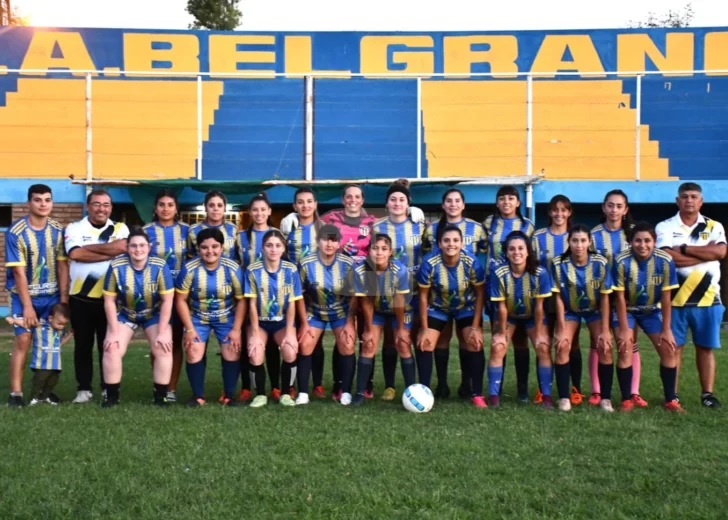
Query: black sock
[(408, 371), (336, 369), (347, 365), (370, 381), (273, 362), (230, 377), (624, 377), (562, 380), (112, 392), (160, 391), (287, 376), (389, 366), (258, 372), (477, 369), (575, 367), (317, 366), (465, 380), (364, 370), (668, 376), (523, 361), (304, 371), (424, 367), (245, 371), (606, 374), (442, 358), (503, 378)]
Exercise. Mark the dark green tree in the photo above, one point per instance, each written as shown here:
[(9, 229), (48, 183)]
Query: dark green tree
[(670, 19), (218, 15)]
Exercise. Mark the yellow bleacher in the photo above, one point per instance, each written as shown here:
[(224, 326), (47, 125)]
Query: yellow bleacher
[(581, 130), (140, 129)]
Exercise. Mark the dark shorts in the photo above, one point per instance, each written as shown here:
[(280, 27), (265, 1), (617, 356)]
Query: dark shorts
[(439, 325), (271, 327)]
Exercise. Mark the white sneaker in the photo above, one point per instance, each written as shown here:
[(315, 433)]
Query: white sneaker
[(83, 396), (564, 405), (34, 402), (606, 405), (302, 399), (171, 396), (345, 399)]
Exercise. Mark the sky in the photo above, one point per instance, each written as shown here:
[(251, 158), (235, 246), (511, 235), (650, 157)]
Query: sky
[(372, 15)]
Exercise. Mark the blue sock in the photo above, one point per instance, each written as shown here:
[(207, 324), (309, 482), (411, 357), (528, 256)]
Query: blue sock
[(196, 376), (230, 371), (545, 375), (495, 377)]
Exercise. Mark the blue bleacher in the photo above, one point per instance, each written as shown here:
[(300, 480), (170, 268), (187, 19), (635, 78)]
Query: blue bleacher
[(688, 116)]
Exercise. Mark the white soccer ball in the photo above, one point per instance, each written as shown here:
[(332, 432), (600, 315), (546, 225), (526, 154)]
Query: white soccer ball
[(418, 398)]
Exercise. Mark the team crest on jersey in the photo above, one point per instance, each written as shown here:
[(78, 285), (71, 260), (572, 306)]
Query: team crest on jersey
[(364, 231), (656, 280), (152, 287), (704, 235), (415, 239), (227, 289), (596, 283), (467, 240)]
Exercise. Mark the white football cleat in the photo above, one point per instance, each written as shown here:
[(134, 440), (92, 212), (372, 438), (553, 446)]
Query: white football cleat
[(302, 399), (83, 396)]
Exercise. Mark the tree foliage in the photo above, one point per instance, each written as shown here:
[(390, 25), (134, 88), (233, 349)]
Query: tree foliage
[(219, 15), (670, 19), (10, 15)]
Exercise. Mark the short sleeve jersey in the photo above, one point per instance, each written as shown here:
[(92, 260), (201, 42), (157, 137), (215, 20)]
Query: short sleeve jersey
[(475, 240), (581, 286), (382, 287), (250, 251), (452, 288), (520, 292), (229, 246), (498, 228), (301, 241), (138, 291), (355, 232), (169, 243), (212, 292), (406, 242), (38, 252), (644, 281), (546, 246), (609, 243), (46, 353), (273, 292), (327, 289)]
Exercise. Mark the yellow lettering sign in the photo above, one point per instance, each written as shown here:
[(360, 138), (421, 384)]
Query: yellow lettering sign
[(174, 53), (57, 50), (550, 57), (633, 48), (716, 53), (374, 55), (299, 60), (501, 54), (225, 56)]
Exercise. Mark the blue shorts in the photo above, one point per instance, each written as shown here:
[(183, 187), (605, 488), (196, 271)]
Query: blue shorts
[(450, 315), (41, 304), (271, 327), (704, 322), (588, 317), (529, 323), (221, 330), (320, 324), (650, 323), (381, 320), (135, 324)]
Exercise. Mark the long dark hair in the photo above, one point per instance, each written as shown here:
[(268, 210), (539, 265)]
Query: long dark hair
[(443, 218), (370, 269), (563, 199), (316, 217), (627, 221), (214, 193), (509, 190), (258, 196), (172, 195), (531, 261), (576, 228), (277, 234)]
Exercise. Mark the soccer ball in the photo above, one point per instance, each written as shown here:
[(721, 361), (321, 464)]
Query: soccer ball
[(418, 399)]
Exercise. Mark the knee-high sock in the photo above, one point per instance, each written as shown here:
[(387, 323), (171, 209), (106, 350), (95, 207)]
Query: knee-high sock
[(245, 371), (336, 369), (636, 371), (363, 372), (288, 376), (347, 367), (606, 374), (523, 362), (304, 371), (466, 380), (424, 367), (230, 377), (495, 380), (273, 362), (370, 382), (196, 375), (442, 358), (317, 366), (562, 380), (624, 376), (545, 379), (594, 371), (389, 366), (258, 376), (575, 367), (668, 376), (477, 370), (408, 371), (502, 376)]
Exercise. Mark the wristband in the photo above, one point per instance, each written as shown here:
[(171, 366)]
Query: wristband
[(683, 250)]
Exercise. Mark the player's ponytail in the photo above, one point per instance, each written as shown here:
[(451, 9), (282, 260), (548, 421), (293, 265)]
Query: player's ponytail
[(576, 228)]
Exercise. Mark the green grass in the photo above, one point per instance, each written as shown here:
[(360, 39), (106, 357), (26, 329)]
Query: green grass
[(327, 461)]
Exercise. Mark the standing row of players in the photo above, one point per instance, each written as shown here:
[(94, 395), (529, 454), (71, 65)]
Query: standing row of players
[(394, 275)]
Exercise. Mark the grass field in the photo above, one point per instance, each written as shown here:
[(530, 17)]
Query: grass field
[(328, 461)]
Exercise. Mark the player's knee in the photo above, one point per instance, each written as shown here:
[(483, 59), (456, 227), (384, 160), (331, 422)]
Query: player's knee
[(562, 357), (195, 355), (22, 342), (368, 350), (228, 354), (497, 351)]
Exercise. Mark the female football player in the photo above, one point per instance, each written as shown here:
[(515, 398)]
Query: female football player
[(327, 283), (406, 237), (643, 279), (215, 207), (518, 289), (273, 286), (475, 243), (209, 298), (582, 282), (451, 287), (168, 238), (508, 218), (138, 291)]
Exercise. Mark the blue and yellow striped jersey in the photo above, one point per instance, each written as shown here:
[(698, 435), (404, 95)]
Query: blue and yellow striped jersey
[(580, 286), (520, 292), (229, 233), (301, 241), (406, 241), (251, 251), (39, 252), (327, 289), (273, 292), (498, 228), (169, 243), (609, 243), (212, 293), (46, 353), (383, 287), (644, 281), (138, 292), (452, 289), (546, 246), (475, 240)]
